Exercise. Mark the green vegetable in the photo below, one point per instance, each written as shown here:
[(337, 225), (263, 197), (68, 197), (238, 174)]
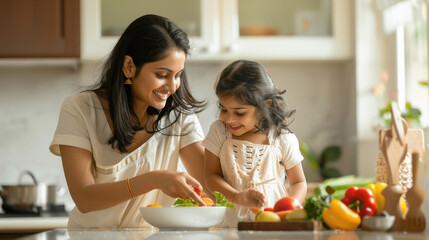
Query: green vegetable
[(333, 188), (180, 202), (341, 184), (221, 200), (315, 204)]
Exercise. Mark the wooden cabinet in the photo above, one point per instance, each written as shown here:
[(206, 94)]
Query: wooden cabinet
[(39, 29)]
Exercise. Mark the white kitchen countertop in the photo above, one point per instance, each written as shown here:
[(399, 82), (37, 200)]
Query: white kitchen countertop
[(31, 224), (224, 234)]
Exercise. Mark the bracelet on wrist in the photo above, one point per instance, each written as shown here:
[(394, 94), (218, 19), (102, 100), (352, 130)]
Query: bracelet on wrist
[(129, 188)]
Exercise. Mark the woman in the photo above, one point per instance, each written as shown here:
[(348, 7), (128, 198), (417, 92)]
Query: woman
[(120, 142)]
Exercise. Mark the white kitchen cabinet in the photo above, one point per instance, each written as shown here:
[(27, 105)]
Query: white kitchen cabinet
[(230, 29), (98, 38), (318, 30)]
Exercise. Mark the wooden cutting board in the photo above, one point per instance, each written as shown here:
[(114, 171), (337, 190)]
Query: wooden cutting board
[(281, 226)]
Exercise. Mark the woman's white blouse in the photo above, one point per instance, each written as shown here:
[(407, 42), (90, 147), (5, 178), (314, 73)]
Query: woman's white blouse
[(82, 123)]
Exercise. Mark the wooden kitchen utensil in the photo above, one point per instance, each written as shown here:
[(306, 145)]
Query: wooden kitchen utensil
[(394, 148), (394, 145), (415, 220)]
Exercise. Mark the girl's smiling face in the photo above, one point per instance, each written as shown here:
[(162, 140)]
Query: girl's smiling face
[(240, 118), (156, 81)]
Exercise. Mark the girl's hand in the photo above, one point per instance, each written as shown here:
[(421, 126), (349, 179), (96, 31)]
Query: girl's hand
[(250, 198), (180, 184)]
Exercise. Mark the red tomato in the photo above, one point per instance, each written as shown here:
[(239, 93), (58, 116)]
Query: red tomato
[(268, 209), (287, 203)]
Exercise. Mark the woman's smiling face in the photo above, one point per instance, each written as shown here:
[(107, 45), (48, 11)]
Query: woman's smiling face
[(240, 118), (156, 81)]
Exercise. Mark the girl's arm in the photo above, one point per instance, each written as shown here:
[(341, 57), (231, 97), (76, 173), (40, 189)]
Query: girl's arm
[(89, 196), (215, 182), (297, 182)]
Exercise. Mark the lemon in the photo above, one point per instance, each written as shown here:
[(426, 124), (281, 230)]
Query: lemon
[(267, 217)]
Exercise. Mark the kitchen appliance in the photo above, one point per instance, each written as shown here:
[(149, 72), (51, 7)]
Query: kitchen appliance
[(35, 199)]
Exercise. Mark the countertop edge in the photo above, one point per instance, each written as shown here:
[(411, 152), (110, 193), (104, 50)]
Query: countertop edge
[(31, 224)]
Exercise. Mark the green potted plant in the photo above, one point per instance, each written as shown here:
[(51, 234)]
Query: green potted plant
[(410, 114), (321, 162)]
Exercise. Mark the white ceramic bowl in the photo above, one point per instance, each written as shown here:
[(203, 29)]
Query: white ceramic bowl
[(183, 218), (377, 223)]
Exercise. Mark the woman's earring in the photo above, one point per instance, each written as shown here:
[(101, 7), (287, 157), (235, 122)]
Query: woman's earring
[(128, 82)]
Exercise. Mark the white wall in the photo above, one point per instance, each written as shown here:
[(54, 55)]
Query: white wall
[(31, 97)]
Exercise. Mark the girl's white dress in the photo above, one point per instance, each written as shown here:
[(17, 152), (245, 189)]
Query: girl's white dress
[(82, 123), (245, 165)]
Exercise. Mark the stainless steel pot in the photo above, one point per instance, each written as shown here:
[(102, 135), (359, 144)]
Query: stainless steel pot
[(19, 197), (25, 197)]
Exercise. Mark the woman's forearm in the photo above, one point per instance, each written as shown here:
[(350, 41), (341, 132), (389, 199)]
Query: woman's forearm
[(192, 157), (100, 196)]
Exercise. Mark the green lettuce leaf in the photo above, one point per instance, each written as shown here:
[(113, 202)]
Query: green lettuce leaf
[(180, 202), (221, 200)]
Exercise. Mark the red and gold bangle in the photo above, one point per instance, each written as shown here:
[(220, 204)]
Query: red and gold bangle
[(129, 188)]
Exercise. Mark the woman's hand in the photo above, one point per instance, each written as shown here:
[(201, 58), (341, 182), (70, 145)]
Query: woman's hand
[(250, 198), (180, 184)]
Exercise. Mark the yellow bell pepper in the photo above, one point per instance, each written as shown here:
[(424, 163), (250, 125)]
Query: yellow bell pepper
[(339, 216), (379, 198)]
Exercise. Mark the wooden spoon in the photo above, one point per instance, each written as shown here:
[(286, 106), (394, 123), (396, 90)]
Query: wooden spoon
[(415, 220), (394, 149)]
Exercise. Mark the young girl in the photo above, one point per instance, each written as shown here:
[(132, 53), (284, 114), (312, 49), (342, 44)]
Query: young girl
[(250, 150)]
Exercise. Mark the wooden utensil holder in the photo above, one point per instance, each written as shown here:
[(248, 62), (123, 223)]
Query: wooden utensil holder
[(394, 144)]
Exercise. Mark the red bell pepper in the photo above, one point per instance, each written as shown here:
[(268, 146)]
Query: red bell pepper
[(361, 200), (198, 192)]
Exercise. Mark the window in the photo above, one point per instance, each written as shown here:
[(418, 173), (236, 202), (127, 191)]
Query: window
[(406, 20), (416, 58)]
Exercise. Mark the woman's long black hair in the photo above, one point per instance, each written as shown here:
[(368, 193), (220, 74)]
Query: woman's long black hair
[(251, 84), (147, 39)]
